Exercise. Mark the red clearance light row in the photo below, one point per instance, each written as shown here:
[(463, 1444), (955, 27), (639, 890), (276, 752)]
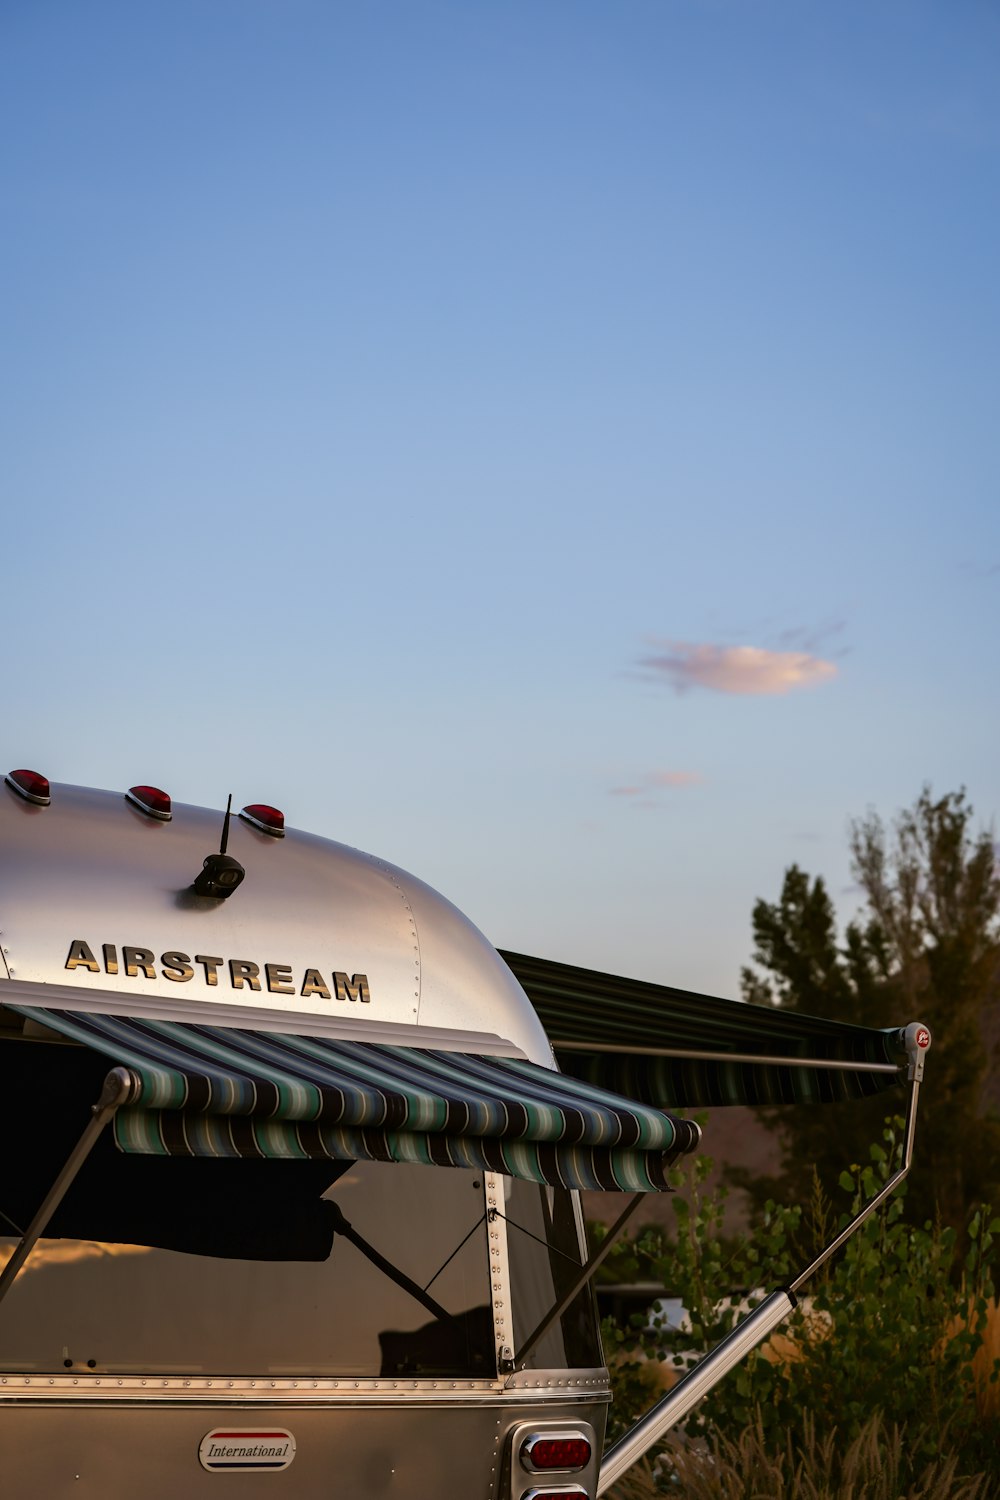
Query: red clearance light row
[(34, 787)]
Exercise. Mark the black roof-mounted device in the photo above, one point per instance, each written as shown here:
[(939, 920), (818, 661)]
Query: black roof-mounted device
[(220, 873)]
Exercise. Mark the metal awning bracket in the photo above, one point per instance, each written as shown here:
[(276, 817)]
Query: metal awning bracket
[(915, 1040)]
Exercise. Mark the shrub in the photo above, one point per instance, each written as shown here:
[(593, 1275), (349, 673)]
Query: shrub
[(897, 1326)]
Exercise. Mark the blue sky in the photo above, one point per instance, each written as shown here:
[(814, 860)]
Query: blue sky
[(550, 445)]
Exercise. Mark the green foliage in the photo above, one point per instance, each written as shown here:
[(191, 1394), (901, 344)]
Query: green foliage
[(925, 948), (893, 1327)]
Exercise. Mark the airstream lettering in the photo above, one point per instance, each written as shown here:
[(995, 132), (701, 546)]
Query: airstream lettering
[(232, 1209), (177, 967)]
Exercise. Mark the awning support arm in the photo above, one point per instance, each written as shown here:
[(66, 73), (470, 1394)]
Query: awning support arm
[(118, 1086), (580, 1281), (876, 1202), (762, 1322)]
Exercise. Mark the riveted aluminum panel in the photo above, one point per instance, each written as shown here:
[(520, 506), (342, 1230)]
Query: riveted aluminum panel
[(361, 1452)]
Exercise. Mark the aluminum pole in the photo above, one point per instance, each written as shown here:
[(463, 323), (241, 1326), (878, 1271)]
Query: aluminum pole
[(676, 1404)]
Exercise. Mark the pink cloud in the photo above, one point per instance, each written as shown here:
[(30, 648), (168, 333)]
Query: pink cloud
[(744, 670), (651, 782), (675, 778)]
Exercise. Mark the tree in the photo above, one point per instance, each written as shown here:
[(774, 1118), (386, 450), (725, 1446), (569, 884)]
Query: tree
[(927, 947)]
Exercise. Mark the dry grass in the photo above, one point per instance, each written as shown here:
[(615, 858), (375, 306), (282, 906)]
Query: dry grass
[(872, 1467), (639, 1484)]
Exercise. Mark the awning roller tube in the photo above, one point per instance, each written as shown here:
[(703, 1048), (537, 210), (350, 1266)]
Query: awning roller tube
[(676, 1049)]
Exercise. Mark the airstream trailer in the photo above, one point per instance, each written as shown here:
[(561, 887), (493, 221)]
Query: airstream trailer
[(290, 1189)]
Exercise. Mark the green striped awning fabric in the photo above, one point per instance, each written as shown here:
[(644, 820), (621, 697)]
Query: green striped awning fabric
[(219, 1091), (623, 1034)]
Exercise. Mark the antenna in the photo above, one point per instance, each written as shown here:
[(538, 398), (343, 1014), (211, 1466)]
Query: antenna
[(220, 873)]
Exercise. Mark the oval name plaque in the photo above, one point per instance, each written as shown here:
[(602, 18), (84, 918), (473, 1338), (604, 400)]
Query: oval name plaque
[(246, 1448)]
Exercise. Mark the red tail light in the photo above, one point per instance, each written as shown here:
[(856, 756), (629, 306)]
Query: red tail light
[(573, 1493), (29, 785), (151, 801), (265, 819), (561, 1451)]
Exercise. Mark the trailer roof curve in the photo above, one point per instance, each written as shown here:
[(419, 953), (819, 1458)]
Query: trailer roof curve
[(96, 901)]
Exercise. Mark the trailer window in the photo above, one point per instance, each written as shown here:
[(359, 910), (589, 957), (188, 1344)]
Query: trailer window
[(245, 1292), (545, 1252)]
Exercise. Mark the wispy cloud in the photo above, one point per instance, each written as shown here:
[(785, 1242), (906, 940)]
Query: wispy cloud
[(675, 778), (813, 638), (641, 792), (743, 670)]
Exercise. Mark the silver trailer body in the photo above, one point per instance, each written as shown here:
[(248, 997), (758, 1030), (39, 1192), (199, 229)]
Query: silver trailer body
[(316, 1227), (131, 1368)]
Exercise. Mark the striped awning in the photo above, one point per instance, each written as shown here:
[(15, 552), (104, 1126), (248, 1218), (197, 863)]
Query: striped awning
[(675, 1049), (220, 1091)]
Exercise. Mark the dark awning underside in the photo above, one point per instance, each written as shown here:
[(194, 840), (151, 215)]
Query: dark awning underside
[(673, 1048), (218, 1091)]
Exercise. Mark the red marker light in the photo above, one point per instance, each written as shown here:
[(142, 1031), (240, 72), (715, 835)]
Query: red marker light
[(151, 801), (265, 819), (29, 785), (567, 1451)]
